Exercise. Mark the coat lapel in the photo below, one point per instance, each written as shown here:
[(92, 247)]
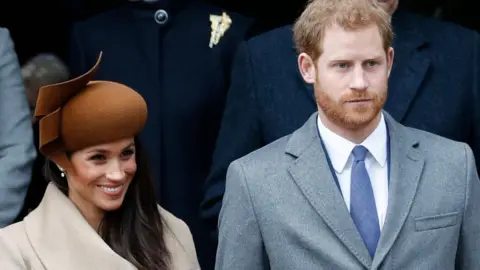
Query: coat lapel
[(406, 166), (410, 65), (63, 239), (312, 174)]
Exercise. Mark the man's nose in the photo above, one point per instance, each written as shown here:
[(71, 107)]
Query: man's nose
[(359, 80)]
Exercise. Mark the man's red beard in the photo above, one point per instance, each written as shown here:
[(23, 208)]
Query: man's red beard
[(351, 116)]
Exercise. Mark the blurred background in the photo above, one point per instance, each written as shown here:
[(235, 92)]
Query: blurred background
[(42, 26)]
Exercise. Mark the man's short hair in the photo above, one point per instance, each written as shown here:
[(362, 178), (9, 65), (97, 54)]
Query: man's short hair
[(309, 29)]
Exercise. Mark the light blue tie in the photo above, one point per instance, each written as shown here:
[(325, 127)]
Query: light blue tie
[(362, 201)]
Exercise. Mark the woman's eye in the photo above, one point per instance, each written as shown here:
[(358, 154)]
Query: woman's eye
[(98, 157), (128, 153)]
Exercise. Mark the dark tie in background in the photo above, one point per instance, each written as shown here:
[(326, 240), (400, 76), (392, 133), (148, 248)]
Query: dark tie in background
[(362, 201)]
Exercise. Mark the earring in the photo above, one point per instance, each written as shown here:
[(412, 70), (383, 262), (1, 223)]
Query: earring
[(62, 174)]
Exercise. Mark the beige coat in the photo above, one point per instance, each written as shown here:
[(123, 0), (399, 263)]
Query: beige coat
[(55, 236)]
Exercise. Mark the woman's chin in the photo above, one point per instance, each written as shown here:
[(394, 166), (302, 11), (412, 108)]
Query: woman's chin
[(110, 205)]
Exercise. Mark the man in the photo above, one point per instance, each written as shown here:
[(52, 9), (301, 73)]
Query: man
[(178, 55), (434, 86), (352, 188), (17, 150)]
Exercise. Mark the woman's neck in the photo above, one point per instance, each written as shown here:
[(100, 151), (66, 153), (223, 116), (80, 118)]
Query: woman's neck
[(92, 214)]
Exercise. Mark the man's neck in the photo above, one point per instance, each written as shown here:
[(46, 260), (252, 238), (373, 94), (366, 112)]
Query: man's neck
[(356, 136)]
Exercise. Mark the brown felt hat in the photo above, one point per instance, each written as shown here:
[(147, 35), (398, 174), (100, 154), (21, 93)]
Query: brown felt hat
[(80, 113)]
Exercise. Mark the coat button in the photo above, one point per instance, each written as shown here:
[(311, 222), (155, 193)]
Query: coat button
[(161, 16)]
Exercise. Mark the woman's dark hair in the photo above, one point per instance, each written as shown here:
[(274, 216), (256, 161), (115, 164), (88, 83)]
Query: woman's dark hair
[(135, 230)]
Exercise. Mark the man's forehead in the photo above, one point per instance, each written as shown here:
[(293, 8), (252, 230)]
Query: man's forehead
[(365, 42), (338, 33)]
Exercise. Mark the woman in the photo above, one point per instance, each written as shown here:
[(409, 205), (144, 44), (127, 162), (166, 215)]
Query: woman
[(99, 210)]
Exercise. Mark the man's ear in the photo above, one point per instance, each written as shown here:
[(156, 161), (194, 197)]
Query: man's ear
[(390, 56), (307, 68)]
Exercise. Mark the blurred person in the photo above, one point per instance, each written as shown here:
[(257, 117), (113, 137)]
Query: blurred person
[(99, 210), (17, 150), (178, 55), (352, 188), (41, 70), (434, 86)]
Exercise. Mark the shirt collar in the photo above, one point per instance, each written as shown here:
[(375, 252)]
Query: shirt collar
[(339, 149)]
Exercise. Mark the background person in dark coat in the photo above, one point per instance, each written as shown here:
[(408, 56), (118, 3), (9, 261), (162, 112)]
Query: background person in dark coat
[(434, 86), (165, 50)]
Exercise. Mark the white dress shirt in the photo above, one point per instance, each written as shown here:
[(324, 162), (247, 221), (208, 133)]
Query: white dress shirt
[(339, 151)]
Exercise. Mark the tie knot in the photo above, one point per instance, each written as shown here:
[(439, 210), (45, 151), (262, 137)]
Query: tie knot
[(359, 153)]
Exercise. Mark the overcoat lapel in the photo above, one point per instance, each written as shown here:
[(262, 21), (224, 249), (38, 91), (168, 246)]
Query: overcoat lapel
[(62, 238)]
